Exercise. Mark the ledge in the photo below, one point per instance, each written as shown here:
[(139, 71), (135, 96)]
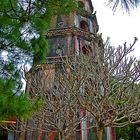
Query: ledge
[(70, 30)]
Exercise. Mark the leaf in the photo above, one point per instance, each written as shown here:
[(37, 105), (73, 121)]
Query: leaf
[(4, 3)]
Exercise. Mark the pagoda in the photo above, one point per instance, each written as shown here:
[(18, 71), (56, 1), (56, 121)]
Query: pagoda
[(69, 34), (73, 33)]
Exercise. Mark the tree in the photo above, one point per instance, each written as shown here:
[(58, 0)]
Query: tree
[(23, 25), (22, 35), (58, 117), (22, 38), (126, 5), (105, 84), (126, 132)]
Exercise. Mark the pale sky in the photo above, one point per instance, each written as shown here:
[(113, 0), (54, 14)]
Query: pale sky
[(119, 27)]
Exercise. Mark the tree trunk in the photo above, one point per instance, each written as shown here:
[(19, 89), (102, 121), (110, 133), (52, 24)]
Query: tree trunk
[(100, 127), (40, 126), (99, 133), (22, 130)]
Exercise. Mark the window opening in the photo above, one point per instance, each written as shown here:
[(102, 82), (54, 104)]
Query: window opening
[(84, 25)]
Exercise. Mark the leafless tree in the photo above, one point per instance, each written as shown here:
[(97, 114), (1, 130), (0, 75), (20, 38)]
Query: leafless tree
[(105, 84), (59, 115)]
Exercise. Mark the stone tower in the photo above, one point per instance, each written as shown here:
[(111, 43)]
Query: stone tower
[(73, 33)]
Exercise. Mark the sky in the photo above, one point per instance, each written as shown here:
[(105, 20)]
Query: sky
[(120, 27)]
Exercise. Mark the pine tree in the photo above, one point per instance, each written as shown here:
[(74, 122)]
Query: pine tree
[(126, 5), (23, 25)]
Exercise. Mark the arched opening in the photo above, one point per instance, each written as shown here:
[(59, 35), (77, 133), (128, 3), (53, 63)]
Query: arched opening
[(84, 25)]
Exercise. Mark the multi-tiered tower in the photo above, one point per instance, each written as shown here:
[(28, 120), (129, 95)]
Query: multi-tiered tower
[(73, 33), (69, 34)]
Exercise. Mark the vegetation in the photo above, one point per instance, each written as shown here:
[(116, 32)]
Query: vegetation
[(14, 105), (23, 26), (22, 37), (125, 132), (22, 41), (102, 84), (126, 5)]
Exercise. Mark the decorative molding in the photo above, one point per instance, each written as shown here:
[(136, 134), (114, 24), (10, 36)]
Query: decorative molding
[(68, 31)]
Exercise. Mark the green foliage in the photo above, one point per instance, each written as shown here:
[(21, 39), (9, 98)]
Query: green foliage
[(16, 106), (9, 67), (23, 27), (40, 47), (124, 132), (20, 24), (61, 6), (41, 25)]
